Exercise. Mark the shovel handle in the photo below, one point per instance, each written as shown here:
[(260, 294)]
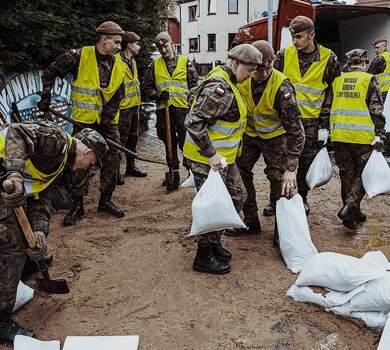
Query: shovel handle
[(22, 218)]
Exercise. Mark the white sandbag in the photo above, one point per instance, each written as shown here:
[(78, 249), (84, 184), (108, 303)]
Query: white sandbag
[(376, 175), (23, 295), (342, 272), (190, 181), (294, 236), (384, 343), (386, 113), (320, 171), (213, 208), (375, 297)]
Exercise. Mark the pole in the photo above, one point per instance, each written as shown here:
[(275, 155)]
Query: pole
[(270, 20)]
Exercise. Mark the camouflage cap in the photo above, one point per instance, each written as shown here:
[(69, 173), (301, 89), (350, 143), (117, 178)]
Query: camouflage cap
[(93, 140), (379, 40), (246, 53), (161, 39), (267, 51), (359, 54), (130, 37), (110, 27), (299, 24)]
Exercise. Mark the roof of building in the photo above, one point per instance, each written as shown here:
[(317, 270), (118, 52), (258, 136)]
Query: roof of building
[(383, 3)]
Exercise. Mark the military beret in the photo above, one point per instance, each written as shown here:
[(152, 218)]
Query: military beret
[(379, 40), (267, 51), (357, 53), (130, 37), (110, 27), (299, 24), (93, 140), (246, 53), (162, 38)]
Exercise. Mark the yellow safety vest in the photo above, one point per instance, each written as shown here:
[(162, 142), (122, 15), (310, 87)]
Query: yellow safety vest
[(310, 88), (225, 136), (263, 120), (350, 119), (35, 181), (88, 98), (384, 78), (176, 84), (132, 86)]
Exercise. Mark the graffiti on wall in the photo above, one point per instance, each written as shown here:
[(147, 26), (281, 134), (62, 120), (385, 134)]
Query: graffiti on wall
[(23, 88)]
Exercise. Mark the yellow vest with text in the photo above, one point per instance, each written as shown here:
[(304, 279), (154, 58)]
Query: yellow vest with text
[(225, 136), (384, 78), (310, 89), (263, 120), (176, 84), (88, 98), (132, 86), (35, 181), (350, 119)]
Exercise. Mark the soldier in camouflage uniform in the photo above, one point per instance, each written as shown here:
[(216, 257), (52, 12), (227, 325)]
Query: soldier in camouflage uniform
[(311, 68), (274, 129), (39, 150), (93, 106), (129, 109), (168, 80), (353, 97), (215, 126)]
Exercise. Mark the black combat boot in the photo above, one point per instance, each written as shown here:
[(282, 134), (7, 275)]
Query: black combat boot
[(350, 215), (205, 261), (9, 329), (106, 205), (269, 210), (220, 252), (132, 170), (252, 228), (305, 202), (75, 213)]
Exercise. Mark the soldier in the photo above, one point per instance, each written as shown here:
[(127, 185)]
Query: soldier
[(215, 126), (168, 80), (356, 123), (32, 156), (129, 107), (97, 90), (274, 129), (311, 68)]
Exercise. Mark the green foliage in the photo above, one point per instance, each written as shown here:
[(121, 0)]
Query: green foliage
[(34, 33)]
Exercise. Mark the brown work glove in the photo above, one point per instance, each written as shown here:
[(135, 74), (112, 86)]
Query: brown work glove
[(17, 196), (40, 252)]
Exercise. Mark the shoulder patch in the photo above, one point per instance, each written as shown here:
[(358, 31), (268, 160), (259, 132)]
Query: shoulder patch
[(219, 90)]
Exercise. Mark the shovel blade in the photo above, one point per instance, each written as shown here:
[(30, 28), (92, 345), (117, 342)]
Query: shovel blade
[(53, 286), (172, 181)]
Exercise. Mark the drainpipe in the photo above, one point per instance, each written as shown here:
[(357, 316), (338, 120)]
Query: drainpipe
[(247, 11), (270, 20)]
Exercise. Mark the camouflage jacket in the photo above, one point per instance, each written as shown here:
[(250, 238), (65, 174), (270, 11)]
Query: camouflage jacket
[(332, 71), (377, 66), (286, 104), (69, 63), (149, 86)]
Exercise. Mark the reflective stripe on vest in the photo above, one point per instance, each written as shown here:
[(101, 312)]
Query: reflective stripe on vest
[(263, 120), (225, 136), (88, 98), (384, 78), (310, 88), (176, 84), (350, 119), (132, 86), (35, 181)]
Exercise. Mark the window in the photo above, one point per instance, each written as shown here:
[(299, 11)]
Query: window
[(233, 6), (211, 45), (212, 7), (192, 13), (194, 44), (230, 40)]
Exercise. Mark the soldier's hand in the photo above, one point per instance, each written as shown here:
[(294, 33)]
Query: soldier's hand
[(14, 195), (163, 96), (215, 162), (44, 103), (40, 252), (289, 183), (378, 143)]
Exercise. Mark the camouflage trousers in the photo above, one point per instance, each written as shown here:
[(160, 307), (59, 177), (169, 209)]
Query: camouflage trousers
[(351, 159), (12, 257), (108, 173), (275, 160), (178, 132), (310, 150), (232, 179), (128, 127)]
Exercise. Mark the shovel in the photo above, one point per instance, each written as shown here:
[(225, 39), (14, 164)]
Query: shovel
[(46, 284), (171, 177)]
